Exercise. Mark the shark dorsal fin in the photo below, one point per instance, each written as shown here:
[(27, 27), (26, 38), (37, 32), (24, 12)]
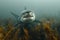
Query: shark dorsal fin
[(25, 8)]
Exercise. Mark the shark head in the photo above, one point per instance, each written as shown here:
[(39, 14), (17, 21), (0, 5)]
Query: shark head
[(27, 16)]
